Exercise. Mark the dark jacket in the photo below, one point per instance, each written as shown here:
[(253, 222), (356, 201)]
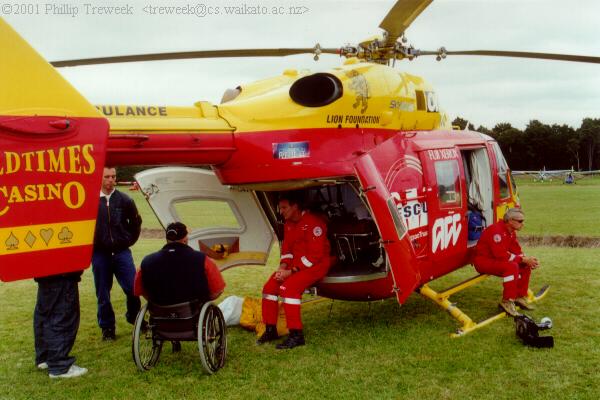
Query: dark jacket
[(118, 225), (175, 274)]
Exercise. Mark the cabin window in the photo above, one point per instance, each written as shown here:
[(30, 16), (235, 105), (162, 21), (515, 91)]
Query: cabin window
[(420, 100), (502, 172), (203, 214), (448, 180)]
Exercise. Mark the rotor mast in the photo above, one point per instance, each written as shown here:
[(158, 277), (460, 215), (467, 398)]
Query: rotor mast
[(387, 47)]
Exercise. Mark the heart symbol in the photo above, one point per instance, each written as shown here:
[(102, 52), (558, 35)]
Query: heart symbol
[(46, 235)]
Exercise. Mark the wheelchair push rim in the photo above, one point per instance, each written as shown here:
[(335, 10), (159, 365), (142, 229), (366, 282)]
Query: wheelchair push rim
[(145, 348), (212, 338)]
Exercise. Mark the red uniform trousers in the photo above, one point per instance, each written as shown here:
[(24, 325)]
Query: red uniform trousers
[(290, 292), (515, 275)]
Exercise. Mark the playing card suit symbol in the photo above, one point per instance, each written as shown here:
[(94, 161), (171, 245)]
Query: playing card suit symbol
[(46, 235)]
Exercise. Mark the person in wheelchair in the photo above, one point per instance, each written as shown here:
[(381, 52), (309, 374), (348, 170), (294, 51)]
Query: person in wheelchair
[(177, 273), (179, 283)]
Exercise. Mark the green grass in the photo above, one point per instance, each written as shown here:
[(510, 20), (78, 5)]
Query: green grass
[(557, 209), (196, 214), (354, 350)]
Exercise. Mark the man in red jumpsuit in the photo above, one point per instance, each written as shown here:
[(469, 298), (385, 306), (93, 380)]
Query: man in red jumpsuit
[(304, 260), (498, 253)]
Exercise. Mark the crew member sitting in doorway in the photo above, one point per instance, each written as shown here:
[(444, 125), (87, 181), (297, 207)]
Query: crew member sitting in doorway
[(304, 260), (498, 253)]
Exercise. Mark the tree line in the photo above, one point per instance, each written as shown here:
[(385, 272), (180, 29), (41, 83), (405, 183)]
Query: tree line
[(549, 146)]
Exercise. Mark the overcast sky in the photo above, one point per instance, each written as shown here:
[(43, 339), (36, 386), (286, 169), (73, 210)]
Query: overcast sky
[(484, 90)]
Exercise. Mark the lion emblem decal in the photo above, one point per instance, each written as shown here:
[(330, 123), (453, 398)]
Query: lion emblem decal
[(360, 86)]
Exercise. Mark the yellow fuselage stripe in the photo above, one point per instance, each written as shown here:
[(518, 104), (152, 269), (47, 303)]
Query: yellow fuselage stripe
[(28, 238)]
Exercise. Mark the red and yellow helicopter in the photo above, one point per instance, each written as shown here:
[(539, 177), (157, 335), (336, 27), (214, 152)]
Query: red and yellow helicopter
[(366, 144)]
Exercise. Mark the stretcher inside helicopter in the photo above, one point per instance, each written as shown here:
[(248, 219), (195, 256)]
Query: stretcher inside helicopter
[(353, 235)]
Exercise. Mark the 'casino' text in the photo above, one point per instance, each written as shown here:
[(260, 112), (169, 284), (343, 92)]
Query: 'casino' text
[(73, 160)]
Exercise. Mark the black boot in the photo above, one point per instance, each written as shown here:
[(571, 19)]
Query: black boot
[(269, 335), (294, 339)]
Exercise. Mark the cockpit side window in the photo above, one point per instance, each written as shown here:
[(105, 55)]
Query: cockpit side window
[(502, 171), (448, 181)]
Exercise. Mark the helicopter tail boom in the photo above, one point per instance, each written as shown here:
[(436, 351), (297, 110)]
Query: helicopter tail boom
[(156, 135)]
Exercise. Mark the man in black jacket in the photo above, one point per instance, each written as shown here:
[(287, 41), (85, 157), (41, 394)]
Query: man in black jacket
[(118, 227)]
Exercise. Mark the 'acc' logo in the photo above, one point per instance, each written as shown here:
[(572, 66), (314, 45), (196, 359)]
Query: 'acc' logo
[(444, 231)]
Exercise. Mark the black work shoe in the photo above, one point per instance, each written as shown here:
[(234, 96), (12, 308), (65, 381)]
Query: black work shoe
[(269, 335), (294, 339), (108, 334)]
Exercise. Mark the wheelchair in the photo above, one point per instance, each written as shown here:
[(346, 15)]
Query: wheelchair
[(190, 321)]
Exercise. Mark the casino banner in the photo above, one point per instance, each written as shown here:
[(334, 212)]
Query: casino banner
[(50, 176)]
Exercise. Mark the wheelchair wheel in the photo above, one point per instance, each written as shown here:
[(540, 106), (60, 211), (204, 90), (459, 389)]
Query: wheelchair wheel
[(212, 338), (144, 348)]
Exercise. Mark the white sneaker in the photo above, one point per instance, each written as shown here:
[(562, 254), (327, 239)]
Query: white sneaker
[(73, 372), (42, 365)]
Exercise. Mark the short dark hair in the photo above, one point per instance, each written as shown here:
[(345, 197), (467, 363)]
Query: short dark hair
[(176, 231), (294, 198)]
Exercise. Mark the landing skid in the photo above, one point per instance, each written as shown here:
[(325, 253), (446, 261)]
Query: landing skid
[(468, 325)]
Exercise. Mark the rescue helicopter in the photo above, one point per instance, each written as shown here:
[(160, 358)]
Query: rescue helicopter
[(367, 146)]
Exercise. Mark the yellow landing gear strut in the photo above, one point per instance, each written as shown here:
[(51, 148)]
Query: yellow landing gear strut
[(468, 325)]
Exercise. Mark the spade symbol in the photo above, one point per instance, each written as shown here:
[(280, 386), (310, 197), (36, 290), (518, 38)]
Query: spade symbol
[(12, 243)]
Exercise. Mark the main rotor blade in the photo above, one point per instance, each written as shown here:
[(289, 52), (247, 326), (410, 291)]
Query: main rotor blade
[(519, 54), (193, 54), (399, 18)]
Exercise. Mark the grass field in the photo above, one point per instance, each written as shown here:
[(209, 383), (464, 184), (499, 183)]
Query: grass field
[(553, 208), (354, 350)]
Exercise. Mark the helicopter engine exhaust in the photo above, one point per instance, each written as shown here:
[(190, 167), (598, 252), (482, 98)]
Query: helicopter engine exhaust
[(316, 90)]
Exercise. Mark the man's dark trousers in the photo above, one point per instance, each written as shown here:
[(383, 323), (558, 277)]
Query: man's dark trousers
[(104, 265), (55, 322)]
